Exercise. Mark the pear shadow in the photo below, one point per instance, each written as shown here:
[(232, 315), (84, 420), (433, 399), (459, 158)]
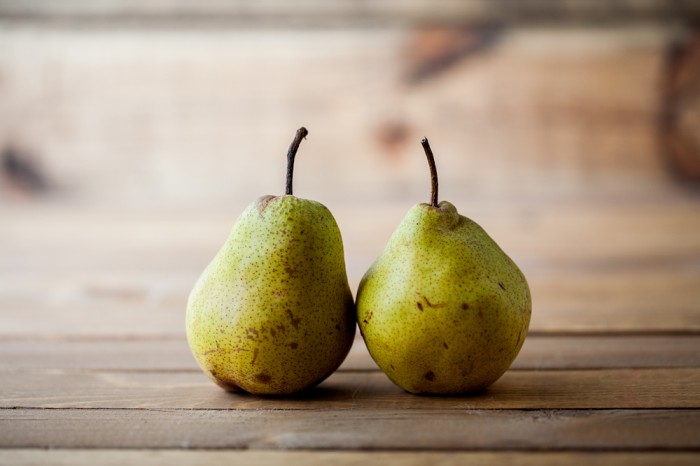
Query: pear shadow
[(470, 394), (515, 394), (317, 393), (504, 393), (309, 395)]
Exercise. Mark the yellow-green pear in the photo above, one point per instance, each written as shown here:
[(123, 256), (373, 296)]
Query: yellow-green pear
[(443, 310), (273, 313)]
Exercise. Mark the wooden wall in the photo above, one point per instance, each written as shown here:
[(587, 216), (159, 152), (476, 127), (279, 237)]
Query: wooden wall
[(141, 130), (191, 104)]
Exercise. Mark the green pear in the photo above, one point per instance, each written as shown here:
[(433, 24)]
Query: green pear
[(443, 310), (273, 312)]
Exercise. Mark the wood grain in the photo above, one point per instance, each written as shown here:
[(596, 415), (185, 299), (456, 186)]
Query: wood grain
[(154, 125), (375, 429), (619, 302), (539, 352), (598, 389), (17, 457), (643, 236), (592, 267), (346, 12), (188, 116)]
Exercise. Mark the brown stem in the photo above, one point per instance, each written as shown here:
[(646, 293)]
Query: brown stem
[(433, 172), (291, 154)]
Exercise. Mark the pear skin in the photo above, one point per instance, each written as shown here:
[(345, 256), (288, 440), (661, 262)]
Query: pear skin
[(273, 312), (443, 310)]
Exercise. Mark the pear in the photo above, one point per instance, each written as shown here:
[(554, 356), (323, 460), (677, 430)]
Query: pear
[(443, 310), (273, 312)]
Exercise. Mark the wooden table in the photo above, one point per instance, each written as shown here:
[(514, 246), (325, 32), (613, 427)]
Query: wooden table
[(95, 369)]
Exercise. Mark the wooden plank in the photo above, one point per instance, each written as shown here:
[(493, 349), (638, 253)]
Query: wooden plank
[(20, 457), (591, 352), (544, 237), (587, 272), (347, 12), (592, 235), (600, 302), (367, 429), (571, 125), (588, 389), (613, 284), (539, 352), (616, 301)]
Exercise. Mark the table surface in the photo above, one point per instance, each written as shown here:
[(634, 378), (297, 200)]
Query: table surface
[(95, 366)]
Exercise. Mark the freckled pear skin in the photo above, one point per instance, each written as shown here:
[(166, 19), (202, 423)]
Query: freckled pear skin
[(443, 310), (273, 312)]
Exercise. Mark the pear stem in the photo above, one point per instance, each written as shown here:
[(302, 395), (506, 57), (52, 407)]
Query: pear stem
[(291, 154), (433, 172)]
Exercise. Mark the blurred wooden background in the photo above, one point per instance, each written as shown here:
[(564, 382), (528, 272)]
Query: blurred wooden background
[(132, 134), (127, 103)]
